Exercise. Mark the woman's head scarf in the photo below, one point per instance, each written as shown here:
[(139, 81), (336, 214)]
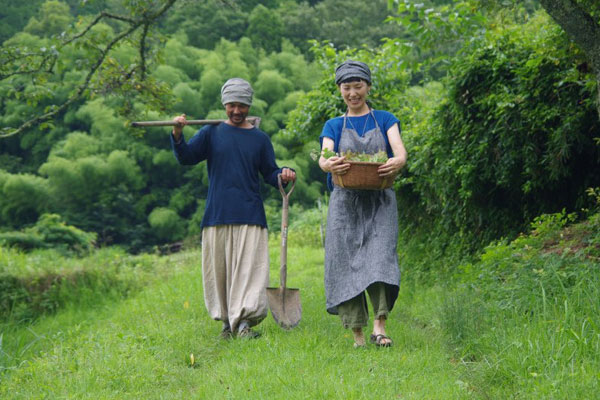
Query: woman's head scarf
[(352, 69), (236, 90)]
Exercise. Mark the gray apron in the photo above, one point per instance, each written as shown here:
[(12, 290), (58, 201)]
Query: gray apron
[(362, 231)]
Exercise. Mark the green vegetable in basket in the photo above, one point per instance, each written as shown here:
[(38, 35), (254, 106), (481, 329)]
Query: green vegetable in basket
[(379, 157)]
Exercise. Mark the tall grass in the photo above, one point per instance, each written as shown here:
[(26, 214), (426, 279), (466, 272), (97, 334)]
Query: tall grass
[(526, 318)]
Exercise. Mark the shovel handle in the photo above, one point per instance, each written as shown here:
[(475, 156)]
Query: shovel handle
[(284, 230), (136, 124)]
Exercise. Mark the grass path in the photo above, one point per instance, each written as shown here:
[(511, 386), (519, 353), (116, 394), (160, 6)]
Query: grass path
[(140, 348)]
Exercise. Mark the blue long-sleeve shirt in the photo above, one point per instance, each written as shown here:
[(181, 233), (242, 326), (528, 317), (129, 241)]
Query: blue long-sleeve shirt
[(235, 156)]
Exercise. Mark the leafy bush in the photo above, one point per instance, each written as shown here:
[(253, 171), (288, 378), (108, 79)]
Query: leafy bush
[(166, 224), (50, 231), (513, 140), (44, 281)]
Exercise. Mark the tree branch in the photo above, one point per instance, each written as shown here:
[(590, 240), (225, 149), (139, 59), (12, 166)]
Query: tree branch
[(94, 22), (146, 21), (46, 65)]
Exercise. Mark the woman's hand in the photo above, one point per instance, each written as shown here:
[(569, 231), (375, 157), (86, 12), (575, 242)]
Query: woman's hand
[(392, 166), (178, 128), (336, 165)]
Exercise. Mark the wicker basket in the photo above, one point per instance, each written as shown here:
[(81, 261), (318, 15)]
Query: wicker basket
[(363, 175)]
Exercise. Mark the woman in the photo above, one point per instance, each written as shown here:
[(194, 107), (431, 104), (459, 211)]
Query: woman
[(362, 225)]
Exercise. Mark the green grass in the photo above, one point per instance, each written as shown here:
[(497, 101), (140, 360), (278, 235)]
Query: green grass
[(521, 322), (140, 348)]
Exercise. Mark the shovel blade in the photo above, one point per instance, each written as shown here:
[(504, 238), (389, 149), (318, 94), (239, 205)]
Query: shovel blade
[(285, 307)]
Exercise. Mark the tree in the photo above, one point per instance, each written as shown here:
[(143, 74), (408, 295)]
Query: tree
[(265, 28), (206, 22), (103, 73), (54, 17), (580, 19)]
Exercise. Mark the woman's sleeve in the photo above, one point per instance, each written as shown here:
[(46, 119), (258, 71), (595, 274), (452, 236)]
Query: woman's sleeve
[(390, 120), (328, 132)]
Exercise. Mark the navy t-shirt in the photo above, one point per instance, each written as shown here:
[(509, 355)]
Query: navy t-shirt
[(235, 156)]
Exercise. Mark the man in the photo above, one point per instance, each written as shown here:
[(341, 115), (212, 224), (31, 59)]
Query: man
[(235, 257)]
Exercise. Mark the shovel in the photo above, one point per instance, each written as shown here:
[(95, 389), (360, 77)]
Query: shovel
[(139, 124), (284, 302)]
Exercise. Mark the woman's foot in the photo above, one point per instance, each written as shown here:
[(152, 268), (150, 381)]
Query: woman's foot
[(378, 337), (359, 337)]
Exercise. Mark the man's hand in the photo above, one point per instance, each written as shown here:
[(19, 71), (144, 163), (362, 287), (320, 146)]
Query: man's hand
[(178, 128), (287, 175)]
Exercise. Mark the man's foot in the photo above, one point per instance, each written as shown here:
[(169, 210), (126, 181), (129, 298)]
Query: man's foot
[(248, 333), (226, 332), (244, 331)]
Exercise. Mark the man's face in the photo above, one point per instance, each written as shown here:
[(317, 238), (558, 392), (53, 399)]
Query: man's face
[(237, 112)]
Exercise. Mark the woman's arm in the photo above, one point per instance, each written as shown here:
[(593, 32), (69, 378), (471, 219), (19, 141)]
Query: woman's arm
[(396, 163)]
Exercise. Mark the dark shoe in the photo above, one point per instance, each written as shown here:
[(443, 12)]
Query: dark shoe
[(378, 340), (247, 333), (226, 332)]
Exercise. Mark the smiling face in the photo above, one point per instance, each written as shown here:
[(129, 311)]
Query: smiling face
[(355, 96), (237, 113)]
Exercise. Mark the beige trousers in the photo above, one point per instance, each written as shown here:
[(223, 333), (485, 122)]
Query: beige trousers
[(235, 273)]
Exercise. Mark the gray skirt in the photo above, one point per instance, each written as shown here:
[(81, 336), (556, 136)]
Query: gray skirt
[(361, 244)]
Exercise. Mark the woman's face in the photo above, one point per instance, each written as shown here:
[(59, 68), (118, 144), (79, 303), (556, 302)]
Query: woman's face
[(355, 94)]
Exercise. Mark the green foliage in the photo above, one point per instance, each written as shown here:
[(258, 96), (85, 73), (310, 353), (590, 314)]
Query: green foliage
[(348, 23), (45, 281), (20, 13), (55, 233), (190, 17), (440, 29), (166, 224), (537, 286), (54, 16), (24, 198), (271, 86), (97, 193), (50, 231), (512, 138), (265, 28)]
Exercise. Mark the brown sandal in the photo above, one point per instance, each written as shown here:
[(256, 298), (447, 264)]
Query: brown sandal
[(378, 340)]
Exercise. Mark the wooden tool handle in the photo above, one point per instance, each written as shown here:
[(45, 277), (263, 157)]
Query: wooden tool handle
[(137, 124)]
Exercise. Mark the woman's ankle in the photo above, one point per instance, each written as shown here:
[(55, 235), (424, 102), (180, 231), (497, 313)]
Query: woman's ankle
[(359, 336)]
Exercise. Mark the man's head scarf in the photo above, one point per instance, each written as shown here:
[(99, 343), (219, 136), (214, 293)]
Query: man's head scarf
[(236, 90), (352, 69)]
